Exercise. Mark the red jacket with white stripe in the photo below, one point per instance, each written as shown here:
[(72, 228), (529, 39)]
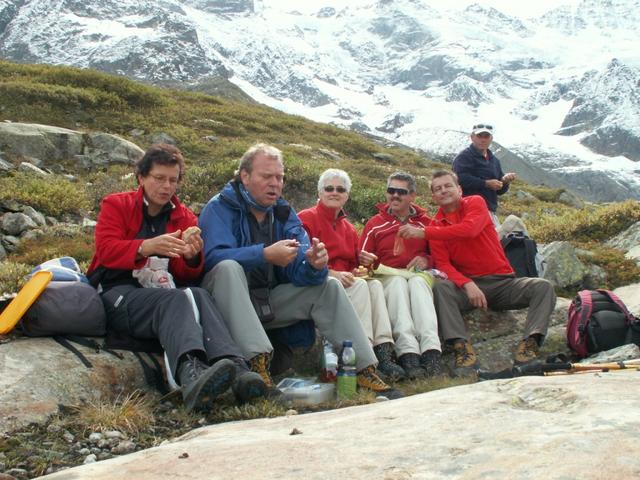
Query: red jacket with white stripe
[(465, 243), (379, 236)]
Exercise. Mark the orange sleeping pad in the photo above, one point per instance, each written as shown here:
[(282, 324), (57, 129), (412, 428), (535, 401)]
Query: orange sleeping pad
[(28, 294)]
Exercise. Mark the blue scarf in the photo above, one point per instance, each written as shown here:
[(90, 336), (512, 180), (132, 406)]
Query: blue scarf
[(251, 202)]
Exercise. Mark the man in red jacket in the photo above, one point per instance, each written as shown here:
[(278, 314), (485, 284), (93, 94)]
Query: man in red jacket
[(151, 222), (409, 300), (465, 246)]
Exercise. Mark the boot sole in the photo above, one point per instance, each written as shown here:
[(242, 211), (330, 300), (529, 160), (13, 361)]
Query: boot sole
[(249, 386), (213, 382)]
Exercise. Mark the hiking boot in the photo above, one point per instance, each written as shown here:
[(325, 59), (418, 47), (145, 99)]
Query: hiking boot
[(369, 379), (201, 384), (466, 362), (260, 365), (386, 363), (410, 362), (431, 361), (247, 385), (526, 351)]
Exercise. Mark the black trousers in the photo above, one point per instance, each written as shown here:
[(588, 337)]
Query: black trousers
[(167, 315)]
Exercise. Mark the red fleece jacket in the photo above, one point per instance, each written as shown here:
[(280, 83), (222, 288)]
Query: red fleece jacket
[(379, 236), (338, 235), (120, 220), (465, 243)]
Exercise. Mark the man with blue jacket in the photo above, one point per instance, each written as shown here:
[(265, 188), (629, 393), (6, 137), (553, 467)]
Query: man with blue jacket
[(264, 272), (479, 170)]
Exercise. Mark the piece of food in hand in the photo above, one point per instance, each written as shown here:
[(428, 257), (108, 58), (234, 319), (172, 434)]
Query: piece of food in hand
[(189, 232), (361, 271)]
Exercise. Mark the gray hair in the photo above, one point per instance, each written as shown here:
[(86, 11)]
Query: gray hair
[(404, 177), (246, 162), (334, 173)]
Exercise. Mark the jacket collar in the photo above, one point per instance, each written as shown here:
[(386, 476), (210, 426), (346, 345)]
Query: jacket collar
[(140, 202), (330, 213), (414, 211)]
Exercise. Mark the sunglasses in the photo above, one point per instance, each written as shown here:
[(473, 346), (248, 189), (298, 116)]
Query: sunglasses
[(331, 188), (482, 125), (400, 191)]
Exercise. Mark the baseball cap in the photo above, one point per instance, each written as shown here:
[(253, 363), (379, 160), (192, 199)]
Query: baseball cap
[(482, 128)]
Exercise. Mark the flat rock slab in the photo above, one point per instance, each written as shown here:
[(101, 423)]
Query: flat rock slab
[(38, 374), (564, 427)]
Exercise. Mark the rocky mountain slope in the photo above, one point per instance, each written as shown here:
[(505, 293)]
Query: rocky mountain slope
[(559, 88)]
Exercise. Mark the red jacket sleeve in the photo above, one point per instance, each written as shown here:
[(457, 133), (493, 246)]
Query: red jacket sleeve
[(440, 254), (367, 241), (114, 247)]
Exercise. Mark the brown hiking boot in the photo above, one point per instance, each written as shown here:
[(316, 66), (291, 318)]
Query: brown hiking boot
[(466, 362), (369, 379), (526, 351), (260, 365)]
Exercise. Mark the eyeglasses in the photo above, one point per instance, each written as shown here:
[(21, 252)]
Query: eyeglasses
[(331, 188), (482, 125), (161, 179), (400, 191)]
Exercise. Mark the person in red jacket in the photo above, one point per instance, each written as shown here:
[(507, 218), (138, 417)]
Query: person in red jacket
[(132, 228), (409, 301), (328, 222), (465, 245)]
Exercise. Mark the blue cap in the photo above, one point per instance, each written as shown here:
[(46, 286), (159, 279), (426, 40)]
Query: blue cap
[(347, 343)]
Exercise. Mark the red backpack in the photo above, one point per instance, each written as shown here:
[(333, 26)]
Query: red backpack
[(598, 320)]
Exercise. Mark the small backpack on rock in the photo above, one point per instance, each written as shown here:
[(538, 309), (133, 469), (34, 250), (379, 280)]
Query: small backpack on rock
[(597, 321), (521, 252)]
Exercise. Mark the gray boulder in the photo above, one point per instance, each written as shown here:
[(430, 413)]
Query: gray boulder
[(51, 144), (634, 254), (34, 215), (6, 166), (626, 240), (17, 223), (37, 375), (564, 269), (31, 168), (3, 252)]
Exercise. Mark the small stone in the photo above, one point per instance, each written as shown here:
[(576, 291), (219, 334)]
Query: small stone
[(68, 436), (30, 168), (87, 222), (84, 451), (103, 443), (202, 421), (291, 412), (95, 437), (295, 431), (95, 450), (183, 455), (104, 455), (16, 223), (114, 434), (53, 428), (17, 473), (125, 446), (90, 459)]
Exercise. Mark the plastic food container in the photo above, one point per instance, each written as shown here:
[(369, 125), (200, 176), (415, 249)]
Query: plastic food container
[(306, 391)]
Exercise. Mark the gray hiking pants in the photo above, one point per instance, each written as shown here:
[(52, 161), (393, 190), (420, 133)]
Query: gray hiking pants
[(167, 315), (503, 292), (326, 304)]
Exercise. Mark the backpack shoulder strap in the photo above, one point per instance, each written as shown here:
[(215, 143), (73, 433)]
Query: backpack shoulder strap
[(531, 250), (629, 318), (585, 308), (65, 343)]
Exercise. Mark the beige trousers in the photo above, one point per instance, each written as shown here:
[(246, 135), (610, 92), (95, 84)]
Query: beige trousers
[(367, 297), (412, 314)]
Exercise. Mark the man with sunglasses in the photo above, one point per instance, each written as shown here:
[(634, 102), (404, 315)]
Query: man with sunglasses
[(479, 170), (409, 300)]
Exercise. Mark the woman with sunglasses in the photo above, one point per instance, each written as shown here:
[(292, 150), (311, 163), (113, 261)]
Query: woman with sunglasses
[(151, 222), (328, 222)]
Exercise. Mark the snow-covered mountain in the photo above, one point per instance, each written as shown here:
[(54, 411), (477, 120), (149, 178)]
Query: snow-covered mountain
[(561, 89)]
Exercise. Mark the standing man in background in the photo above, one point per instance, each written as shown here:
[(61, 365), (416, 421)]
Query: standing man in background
[(479, 170)]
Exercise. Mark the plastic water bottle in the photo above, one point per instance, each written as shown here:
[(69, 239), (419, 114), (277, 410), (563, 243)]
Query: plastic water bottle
[(347, 381), (329, 363)]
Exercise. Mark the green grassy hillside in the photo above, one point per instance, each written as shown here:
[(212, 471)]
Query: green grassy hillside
[(213, 133)]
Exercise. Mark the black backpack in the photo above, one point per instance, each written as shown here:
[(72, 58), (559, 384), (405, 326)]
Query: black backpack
[(521, 252)]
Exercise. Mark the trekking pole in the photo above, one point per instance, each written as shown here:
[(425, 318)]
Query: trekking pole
[(538, 368), (580, 372)]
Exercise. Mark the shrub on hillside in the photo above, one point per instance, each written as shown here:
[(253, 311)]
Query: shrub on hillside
[(621, 271), (594, 223), (12, 276), (20, 92), (51, 195), (57, 241)]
